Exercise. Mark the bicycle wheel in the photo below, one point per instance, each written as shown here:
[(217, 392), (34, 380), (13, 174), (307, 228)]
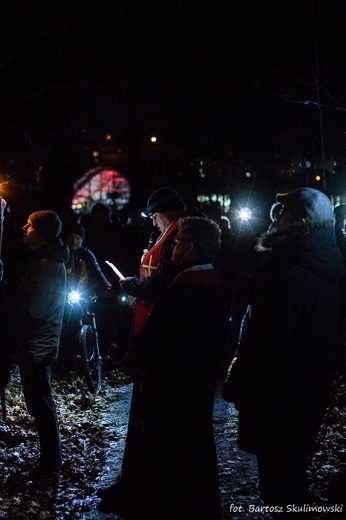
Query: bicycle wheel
[(90, 359)]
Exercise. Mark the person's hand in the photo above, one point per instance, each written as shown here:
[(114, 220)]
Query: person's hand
[(128, 285), (106, 291), (144, 253)]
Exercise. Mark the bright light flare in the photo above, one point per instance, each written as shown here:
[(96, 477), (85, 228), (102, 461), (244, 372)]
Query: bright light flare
[(74, 296), (245, 214)]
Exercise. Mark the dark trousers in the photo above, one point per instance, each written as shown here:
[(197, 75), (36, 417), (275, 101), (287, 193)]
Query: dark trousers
[(40, 404), (282, 479)]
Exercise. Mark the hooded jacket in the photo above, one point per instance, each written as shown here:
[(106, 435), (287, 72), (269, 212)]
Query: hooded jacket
[(40, 304), (292, 347)]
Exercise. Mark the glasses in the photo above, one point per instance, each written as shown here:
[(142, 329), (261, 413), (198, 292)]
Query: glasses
[(282, 211)]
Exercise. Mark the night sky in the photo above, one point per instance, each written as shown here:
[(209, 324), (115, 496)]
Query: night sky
[(238, 78)]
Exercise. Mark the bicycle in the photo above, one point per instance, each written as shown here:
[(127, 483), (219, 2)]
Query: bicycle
[(80, 344)]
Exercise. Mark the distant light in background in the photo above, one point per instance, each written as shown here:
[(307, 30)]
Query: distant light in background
[(201, 170), (222, 199), (96, 153), (153, 139), (108, 137), (248, 174), (318, 178)]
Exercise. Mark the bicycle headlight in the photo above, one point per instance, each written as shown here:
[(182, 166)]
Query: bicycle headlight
[(245, 214), (74, 296)]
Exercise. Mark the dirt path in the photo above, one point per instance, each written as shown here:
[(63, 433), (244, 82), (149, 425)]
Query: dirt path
[(93, 432), (237, 470)]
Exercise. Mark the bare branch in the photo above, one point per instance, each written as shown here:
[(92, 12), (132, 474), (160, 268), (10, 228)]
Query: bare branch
[(49, 31), (11, 56), (37, 93), (290, 99)]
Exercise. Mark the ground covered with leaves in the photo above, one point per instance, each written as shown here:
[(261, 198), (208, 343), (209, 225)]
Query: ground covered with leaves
[(85, 437), (326, 473), (88, 434), (328, 462)]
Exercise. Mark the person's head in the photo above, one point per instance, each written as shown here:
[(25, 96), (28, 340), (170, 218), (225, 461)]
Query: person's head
[(197, 238), (100, 213), (42, 227), (225, 222), (75, 236), (275, 215), (304, 209), (275, 211), (340, 216), (163, 206), (194, 207)]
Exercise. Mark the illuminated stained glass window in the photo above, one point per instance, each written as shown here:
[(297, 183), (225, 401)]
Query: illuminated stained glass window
[(100, 185)]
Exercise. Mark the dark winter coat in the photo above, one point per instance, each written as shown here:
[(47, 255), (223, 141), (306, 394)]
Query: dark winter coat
[(40, 304), (6, 334), (292, 347), (84, 272), (177, 356)]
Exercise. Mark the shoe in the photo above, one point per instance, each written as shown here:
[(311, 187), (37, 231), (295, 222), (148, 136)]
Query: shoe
[(114, 499), (110, 505), (115, 490), (41, 472)]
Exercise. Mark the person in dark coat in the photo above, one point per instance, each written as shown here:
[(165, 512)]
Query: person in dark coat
[(291, 350), (39, 309), (104, 238), (175, 357), (340, 235), (83, 271), (6, 335), (340, 216), (164, 207), (85, 276)]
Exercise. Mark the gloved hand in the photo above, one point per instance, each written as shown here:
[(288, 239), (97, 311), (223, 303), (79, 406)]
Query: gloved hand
[(106, 291), (129, 285)]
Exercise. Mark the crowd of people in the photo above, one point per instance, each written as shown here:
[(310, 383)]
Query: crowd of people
[(191, 297)]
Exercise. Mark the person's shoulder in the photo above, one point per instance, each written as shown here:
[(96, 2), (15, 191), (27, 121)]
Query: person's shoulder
[(86, 254)]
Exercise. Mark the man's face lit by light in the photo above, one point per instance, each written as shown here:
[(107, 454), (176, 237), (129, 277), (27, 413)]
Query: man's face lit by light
[(181, 249), (161, 221)]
